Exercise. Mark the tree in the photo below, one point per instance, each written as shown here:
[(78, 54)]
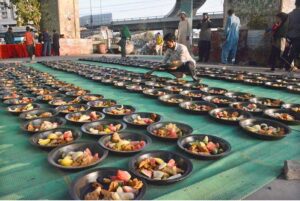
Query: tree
[(28, 11)]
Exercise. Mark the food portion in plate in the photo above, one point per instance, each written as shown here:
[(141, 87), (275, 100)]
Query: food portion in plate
[(270, 102), (105, 129), (91, 116), (117, 187), (39, 115), (205, 146), (103, 103), (57, 138), (138, 120), (21, 108), (265, 129), (124, 145), (78, 158), (198, 107), (43, 126), (283, 116), (158, 169), (229, 116), (23, 100), (119, 111), (169, 131), (217, 91), (91, 97), (60, 101), (295, 109), (250, 107), (72, 108), (220, 101)]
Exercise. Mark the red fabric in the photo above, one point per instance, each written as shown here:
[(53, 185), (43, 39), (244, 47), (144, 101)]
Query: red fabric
[(18, 51)]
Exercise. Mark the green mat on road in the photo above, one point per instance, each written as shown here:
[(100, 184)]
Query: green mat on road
[(26, 174)]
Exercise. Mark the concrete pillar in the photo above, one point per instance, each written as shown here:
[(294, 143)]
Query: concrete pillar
[(258, 13), (62, 15)]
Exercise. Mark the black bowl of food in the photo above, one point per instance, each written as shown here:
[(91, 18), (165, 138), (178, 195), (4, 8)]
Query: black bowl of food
[(6, 96), (229, 115), (78, 155), (54, 138), (19, 101), (207, 147), (67, 109), (40, 113), (154, 93), (79, 118), (253, 108), (142, 119), (275, 85), (48, 98), (18, 109), (195, 86), (161, 162), (173, 99), (197, 107), (169, 131), (176, 82), (194, 94), (265, 129), (125, 142), (91, 97), (119, 111), (240, 96), (122, 84), (283, 115), (220, 101), (254, 82), (43, 124), (294, 89), (77, 93), (215, 91), (135, 88), (268, 102), (175, 89), (104, 127), (154, 84), (292, 107), (95, 185), (100, 104), (60, 101)]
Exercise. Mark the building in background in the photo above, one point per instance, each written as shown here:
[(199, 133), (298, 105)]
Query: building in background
[(96, 20), (7, 14)]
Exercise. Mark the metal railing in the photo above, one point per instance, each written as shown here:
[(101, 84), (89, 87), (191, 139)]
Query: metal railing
[(211, 14)]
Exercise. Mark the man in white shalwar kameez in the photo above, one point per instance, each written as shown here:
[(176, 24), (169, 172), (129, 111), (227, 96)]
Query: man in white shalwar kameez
[(184, 30)]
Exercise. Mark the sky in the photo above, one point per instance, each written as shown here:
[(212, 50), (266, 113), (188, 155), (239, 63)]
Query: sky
[(122, 9)]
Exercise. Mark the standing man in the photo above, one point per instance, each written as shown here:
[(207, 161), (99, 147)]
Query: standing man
[(125, 35), (204, 43), (293, 34), (9, 36), (55, 42), (159, 44), (47, 43), (232, 30), (30, 43), (184, 30)]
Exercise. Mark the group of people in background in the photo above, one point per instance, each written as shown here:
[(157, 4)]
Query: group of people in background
[(285, 39), (50, 42)]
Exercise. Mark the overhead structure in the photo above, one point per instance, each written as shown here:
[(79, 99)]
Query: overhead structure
[(189, 6)]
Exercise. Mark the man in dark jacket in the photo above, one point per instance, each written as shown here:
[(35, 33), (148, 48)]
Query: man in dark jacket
[(294, 34), (9, 36), (204, 43), (55, 43), (47, 43)]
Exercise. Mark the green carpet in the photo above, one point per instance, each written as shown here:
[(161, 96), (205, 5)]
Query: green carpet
[(26, 174)]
